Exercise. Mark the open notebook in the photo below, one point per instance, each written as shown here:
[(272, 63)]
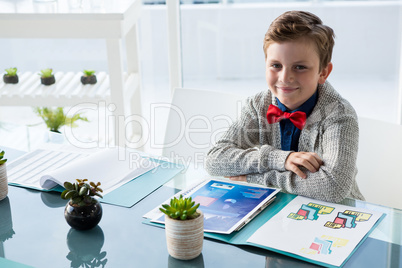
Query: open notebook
[(46, 169)]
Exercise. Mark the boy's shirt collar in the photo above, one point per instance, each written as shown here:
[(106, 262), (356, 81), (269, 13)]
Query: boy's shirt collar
[(306, 107), (289, 133)]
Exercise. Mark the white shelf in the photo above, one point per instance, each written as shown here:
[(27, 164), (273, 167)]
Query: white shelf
[(67, 91), (116, 23)]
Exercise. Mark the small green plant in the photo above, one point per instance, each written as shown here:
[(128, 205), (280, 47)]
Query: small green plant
[(11, 71), (46, 73), (2, 161), (89, 77), (11, 76), (88, 72), (181, 209), (82, 192), (56, 118)]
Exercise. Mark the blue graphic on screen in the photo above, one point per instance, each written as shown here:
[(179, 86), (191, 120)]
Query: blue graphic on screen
[(225, 204)]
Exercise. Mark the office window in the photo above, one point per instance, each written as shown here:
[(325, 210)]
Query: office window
[(222, 49)]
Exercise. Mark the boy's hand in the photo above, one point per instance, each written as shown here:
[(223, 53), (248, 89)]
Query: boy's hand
[(238, 178), (310, 161)]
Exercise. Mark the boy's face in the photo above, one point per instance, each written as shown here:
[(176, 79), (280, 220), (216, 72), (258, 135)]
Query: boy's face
[(292, 71)]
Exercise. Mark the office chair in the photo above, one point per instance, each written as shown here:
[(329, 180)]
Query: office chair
[(379, 162), (197, 119)]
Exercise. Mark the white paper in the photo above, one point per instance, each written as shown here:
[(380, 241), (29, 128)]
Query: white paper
[(317, 238), (44, 169)]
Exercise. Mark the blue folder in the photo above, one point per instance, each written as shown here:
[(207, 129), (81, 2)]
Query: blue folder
[(133, 191), (129, 194), (12, 264), (241, 237)]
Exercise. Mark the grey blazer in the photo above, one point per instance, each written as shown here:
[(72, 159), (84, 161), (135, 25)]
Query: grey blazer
[(252, 147)]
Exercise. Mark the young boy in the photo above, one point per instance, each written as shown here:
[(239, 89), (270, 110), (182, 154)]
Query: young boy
[(300, 136)]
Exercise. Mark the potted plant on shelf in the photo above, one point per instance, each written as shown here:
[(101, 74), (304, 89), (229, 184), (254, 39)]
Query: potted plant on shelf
[(55, 118), (3, 177), (184, 225), (10, 77), (47, 77), (89, 77), (83, 211)]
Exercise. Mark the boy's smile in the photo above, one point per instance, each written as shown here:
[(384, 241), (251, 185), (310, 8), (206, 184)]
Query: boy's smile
[(293, 71)]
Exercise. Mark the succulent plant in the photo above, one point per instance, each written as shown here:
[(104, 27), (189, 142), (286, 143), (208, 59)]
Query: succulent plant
[(11, 77), (89, 77), (82, 192), (181, 209), (45, 73), (55, 118), (11, 71), (88, 72), (2, 161)]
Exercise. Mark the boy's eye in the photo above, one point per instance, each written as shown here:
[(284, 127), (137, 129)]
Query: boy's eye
[(276, 65), (300, 67)]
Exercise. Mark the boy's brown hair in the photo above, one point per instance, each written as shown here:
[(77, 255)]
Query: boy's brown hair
[(293, 25)]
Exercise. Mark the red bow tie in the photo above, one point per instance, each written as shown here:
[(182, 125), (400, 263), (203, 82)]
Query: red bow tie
[(274, 115)]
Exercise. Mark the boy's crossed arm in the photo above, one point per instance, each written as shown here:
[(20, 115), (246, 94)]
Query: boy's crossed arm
[(295, 160)]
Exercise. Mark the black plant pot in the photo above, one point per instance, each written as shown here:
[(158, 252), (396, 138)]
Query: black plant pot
[(86, 248), (47, 81), (85, 217), (91, 80), (10, 79)]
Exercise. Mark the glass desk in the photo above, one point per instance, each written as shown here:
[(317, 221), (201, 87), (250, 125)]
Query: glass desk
[(33, 232)]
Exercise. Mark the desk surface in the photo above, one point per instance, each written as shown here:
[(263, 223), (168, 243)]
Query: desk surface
[(33, 231)]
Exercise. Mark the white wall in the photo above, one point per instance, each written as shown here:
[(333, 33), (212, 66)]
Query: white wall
[(224, 43)]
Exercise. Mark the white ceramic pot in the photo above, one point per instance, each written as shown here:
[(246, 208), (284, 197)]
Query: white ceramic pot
[(185, 238), (3, 182)]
